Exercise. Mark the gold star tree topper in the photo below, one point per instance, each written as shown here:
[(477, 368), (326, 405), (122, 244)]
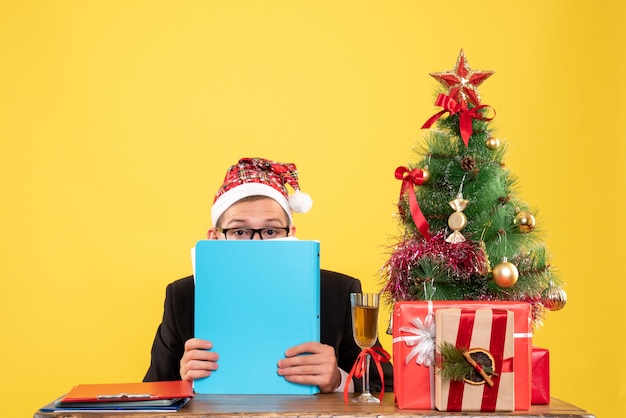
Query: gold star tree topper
[(462, 82)]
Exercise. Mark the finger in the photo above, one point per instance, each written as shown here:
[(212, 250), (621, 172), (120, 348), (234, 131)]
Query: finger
[(327, 380), (199, 365), (308, 347), (201, 355), (196, 369), (321, 381), (316, 360), (313, 369), (198, 344), (195, 374)]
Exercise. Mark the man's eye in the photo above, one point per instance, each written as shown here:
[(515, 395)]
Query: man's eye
[(269, 231), (240, 232)]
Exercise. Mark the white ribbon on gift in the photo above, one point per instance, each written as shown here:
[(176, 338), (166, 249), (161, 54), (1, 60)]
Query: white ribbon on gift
[(422, 339)]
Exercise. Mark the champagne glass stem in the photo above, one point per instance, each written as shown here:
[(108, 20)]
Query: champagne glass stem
[(366, 375)]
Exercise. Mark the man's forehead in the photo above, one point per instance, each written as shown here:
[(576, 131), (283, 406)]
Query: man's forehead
[(260, 208)]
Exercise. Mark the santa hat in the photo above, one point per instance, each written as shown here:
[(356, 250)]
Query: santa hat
[(261, 177)]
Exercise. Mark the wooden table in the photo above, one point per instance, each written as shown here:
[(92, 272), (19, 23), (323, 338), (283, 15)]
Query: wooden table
[(316, 406)]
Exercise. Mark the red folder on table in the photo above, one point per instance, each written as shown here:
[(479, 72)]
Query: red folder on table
[(129, 392)]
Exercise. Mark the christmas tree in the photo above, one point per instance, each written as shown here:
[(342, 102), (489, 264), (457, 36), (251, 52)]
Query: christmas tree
[(466, 235)]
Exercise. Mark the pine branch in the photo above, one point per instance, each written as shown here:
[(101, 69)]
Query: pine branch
[(452, 364)]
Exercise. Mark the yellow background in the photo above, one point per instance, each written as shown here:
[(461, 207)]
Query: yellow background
[(118, 120)]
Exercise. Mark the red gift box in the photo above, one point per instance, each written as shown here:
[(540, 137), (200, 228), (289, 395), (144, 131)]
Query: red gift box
[(413, 350), (490, 332), (540, 376)]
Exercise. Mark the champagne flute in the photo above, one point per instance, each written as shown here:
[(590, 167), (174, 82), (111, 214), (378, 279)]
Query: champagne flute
[(365, 331)]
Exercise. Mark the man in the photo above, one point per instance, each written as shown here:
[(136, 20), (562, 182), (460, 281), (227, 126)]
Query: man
[(253, 203)]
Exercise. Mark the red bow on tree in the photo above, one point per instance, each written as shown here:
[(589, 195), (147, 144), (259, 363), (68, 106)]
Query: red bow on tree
[(465, 115), (410, 179)]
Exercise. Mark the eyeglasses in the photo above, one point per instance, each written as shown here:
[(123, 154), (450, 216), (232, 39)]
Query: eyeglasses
[(249, 233)]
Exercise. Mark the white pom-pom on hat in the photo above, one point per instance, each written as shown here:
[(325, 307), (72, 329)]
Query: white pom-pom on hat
[(300, 202)]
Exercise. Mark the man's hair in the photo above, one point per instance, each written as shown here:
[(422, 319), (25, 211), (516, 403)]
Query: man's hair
[(253, 198)]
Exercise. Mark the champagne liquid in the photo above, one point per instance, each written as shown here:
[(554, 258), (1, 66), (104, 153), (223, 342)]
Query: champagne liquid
[(365, 325)]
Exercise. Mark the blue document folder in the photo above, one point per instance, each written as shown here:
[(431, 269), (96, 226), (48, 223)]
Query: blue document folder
[(253, 300)]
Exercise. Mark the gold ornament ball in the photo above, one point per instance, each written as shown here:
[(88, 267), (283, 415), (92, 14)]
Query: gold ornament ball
[(554, 298), (425, 174), (505, 274), (525, 221), (493, 143)]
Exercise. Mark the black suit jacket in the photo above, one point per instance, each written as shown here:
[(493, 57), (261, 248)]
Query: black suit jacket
[(335, 328)]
